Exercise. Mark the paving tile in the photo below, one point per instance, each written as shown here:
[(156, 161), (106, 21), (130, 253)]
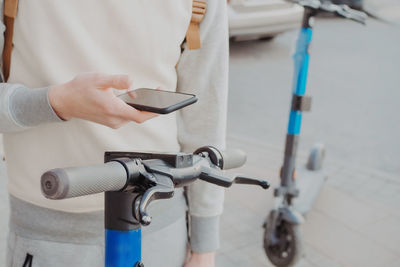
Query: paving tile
[(336, 180), (316, 258), (389, 193), (345, 208), (304, 262), (343, 244), (240, 237), (371, 187), (249, 256), (386, 232), (395, 263)]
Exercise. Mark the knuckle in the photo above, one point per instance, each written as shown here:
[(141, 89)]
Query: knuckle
[(126, 80), (113, 124), (140, 120)]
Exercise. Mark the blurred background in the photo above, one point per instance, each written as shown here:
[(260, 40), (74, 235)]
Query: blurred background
[(354, 80)]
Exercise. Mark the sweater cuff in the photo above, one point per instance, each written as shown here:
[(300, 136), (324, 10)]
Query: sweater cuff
[(204, 234), (32, 107)]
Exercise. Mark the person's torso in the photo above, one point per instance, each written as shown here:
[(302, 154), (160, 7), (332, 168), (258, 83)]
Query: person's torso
[(54, 40)]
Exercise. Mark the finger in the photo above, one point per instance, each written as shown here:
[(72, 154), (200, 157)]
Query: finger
[(121, 81), (132, 94), (132, 114)]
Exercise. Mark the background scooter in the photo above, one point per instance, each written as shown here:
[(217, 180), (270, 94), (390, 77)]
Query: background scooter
[(294, 197)]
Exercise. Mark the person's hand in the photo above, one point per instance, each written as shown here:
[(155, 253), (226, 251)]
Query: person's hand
[(201, 260), (90, 97)]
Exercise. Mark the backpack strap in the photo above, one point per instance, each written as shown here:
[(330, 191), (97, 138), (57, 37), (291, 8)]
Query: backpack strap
[(10, 13), (193, 32)]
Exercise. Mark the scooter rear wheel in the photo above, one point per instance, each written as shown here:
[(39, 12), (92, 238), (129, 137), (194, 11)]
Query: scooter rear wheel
[(316, 157), (287, 251)]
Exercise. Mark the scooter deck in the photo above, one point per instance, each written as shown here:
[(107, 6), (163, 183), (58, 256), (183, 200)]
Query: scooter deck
[(310, 184)]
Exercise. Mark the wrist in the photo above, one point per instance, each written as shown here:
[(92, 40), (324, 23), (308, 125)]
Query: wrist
[(203, 259), (57, 100)]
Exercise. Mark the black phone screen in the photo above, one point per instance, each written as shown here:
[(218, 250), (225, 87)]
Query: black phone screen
[(157, 101)]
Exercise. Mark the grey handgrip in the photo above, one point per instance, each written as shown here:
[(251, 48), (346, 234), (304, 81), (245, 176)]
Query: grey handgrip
[(234, 158), (86, 180)]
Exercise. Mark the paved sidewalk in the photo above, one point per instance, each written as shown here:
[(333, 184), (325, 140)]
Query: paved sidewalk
[(354, 222), (354, 82)]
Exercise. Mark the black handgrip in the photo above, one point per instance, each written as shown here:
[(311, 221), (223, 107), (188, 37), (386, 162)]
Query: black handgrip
[(85, 180), (234, 158)]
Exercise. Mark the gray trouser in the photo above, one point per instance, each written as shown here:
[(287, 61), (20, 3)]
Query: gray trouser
[(56, 238)]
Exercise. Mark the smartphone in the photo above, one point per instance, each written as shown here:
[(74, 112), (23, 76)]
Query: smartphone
[(157, 101)]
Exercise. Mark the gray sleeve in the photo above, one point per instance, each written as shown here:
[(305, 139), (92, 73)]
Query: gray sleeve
[(204, 234), (22, 108), (204, 72)]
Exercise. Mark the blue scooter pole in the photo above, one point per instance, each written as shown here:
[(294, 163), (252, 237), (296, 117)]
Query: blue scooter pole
[(123, 247), (301, 61), (122, 231), (300, 102)]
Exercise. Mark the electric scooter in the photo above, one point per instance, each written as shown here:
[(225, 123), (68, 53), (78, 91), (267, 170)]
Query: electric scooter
[(131, 181), (295, 197)]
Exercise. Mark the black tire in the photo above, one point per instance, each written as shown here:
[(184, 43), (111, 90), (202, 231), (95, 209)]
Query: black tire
[(289, 249)]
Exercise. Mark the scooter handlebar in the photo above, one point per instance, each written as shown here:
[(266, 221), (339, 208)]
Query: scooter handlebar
[(84, 180), (116, 175), (355, 15), (340, 10)]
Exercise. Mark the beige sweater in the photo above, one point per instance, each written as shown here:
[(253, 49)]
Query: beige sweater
[(57, 39)]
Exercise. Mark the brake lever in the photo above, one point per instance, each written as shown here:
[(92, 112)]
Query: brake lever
[(212, 176), (159, 180), (164, 189), (251, 181)]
